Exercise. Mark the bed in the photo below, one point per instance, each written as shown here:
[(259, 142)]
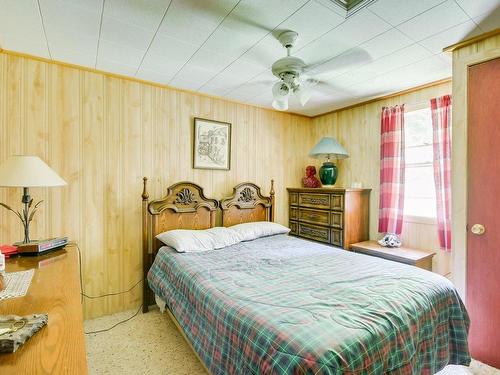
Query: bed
[(283, 305)]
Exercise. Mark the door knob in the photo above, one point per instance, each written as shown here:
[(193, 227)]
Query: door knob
[(478, 229)]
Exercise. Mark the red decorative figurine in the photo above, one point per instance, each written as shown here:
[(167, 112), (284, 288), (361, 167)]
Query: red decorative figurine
[(311, 181)]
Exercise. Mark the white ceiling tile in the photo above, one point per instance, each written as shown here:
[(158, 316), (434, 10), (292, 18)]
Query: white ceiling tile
[(324, 20), (356, 30), (74, 57), (21, 28), (32, 45), (145, 14), (194, 74), (119, 53), (386, 43), (72, 29), (475, 8), (398, 11), (400, 58), (210, 60), (265, 52), (433, 21), (120, 32), (60, 16), (194, 20), (453, 35), (185, 84), (82, 44), (249, 22), (424, 71), (115, 67), (240, 71), (488, 21), (164, 48)]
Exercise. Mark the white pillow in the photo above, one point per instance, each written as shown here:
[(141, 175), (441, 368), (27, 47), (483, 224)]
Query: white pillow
[(257, 229), (193, 241)]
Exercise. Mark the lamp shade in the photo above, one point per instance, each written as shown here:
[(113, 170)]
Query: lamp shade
[(328, 147), (28, 171)]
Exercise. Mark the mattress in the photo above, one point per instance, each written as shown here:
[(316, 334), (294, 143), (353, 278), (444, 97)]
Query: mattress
[(283, 305)]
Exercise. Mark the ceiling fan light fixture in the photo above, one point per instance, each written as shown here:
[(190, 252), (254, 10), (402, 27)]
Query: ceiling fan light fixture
[(281, 91), (280, 105)]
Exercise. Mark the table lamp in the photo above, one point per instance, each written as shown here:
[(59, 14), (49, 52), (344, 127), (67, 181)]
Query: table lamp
[(27, 171), (328, 148)]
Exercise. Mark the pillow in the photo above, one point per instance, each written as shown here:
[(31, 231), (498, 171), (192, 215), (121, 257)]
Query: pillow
[(193, 241), (257, 229)]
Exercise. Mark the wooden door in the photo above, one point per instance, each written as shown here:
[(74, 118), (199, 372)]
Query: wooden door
[(483, 209)]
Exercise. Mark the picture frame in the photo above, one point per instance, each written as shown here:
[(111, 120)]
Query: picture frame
[(211, 144)]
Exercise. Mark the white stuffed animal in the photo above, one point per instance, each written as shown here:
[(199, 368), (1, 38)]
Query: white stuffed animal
[(390, 240)]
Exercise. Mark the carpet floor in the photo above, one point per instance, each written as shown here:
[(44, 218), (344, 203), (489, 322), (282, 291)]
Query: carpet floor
[(151, 344)]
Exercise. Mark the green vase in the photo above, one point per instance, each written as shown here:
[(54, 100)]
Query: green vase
[(328, 173)]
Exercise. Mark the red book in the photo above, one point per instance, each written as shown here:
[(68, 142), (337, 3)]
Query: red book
[(8, 250)]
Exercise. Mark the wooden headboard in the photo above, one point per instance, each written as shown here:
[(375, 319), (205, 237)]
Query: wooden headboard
[(247, 204), (183, 207)]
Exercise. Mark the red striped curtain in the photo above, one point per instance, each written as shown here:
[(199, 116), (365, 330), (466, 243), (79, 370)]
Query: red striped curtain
[(441, 126), (392, 170)]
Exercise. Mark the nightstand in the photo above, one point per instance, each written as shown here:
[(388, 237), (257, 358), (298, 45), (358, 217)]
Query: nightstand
[(414, 257)]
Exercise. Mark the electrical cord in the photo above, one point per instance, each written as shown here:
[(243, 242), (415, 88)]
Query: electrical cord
[(83, 294), (116, 324)]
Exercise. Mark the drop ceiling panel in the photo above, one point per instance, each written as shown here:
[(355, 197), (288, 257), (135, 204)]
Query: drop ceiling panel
[(145, 14), (116, 67), (119, 53), (119, 32), (399, 11), (435, 20), (356, 30), (475, 8), (488, 21), (21, 28), (194, 20), (450, 36)]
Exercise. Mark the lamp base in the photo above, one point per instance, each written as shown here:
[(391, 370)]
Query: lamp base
[(328, 174)]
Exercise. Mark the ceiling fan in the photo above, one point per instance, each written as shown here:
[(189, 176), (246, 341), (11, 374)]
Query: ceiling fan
[(293, 73)]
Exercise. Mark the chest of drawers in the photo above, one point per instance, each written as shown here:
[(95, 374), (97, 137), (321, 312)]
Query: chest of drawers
[(334, 216)]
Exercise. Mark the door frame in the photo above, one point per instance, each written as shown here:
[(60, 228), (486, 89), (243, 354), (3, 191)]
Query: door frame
[(463, 58)]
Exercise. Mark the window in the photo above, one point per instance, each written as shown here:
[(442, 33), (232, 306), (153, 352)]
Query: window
[(420, 192)]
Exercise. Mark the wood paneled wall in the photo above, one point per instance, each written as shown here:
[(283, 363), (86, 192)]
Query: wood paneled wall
[(464, 57), (102, 134), (358, 129)]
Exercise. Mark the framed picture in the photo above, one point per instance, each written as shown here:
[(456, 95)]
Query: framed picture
[(212, 144)]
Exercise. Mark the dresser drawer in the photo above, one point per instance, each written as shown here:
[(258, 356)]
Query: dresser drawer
[(314, 233), (294, 227), (314, 216), (294, 213), (314, 200), (294, 199), (337, 237), (338, 202), (337, 219)]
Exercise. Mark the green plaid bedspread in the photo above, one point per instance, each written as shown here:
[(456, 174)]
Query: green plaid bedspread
[(282, 305)]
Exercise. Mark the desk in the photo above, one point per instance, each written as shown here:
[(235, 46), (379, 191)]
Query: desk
[(59, 347)]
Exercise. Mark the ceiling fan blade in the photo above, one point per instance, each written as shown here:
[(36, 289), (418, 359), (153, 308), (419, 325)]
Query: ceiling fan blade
[(305, 90), (347, 60)]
